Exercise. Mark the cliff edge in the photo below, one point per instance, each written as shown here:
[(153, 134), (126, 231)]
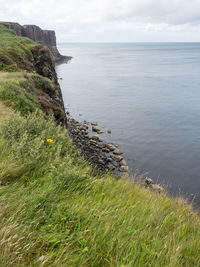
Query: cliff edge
[(27, 71), (45, 37)]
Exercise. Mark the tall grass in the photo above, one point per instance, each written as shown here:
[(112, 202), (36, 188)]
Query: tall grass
[(55, 212)]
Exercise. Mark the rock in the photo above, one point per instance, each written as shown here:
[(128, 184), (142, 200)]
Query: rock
[(124, 169), (100, 161), (109, 159), (109, 131), (85, 126), (94, 123), (42, 36), (117, 152), (110, 147), (16, 27), (119, 158), (111, 167), (96, 129), (96, 138), (116, 164), (123, 162), (92, 141), (148, 181), (105, 150)]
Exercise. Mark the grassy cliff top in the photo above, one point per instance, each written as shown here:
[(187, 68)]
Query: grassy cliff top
[(8, 37), (55, 212), (15, 51)]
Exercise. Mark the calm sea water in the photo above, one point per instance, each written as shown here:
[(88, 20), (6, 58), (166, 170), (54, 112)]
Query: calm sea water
[(149, 96)]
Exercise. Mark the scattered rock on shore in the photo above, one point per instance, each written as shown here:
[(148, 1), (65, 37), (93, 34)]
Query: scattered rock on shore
[(124, 169), (96, 129), (117, 152), (110, 147), (152, 186), (97, 138), (94, 123), (123, 162)]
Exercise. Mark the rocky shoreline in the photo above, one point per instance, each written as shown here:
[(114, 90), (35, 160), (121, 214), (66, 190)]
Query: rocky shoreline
[(105, 156)]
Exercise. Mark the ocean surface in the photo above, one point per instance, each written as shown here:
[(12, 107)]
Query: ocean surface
[(148, 94)]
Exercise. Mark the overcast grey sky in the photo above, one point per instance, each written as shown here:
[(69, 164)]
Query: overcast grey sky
[(109, 20)]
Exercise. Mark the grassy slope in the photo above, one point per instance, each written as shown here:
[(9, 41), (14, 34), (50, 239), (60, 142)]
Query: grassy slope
[(14, 52), (55, 212)]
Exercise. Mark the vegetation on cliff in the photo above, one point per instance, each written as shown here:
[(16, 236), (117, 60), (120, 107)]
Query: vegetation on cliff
[(55, 212)]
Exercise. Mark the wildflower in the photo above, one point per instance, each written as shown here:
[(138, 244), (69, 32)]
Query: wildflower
[(49, 140), (85, 249), (97, 215)]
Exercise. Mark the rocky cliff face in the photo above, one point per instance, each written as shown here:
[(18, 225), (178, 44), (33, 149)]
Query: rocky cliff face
[(41, 36), (16, 27), (35, 33)]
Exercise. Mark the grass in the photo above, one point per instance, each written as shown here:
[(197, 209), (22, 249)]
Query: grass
[(55, 212), (27, 92), (15, 51), (5, 112)]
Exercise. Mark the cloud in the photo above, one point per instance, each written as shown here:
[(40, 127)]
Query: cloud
[(109, 20)]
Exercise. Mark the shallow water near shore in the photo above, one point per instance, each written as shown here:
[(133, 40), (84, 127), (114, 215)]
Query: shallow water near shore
[(149, 96)]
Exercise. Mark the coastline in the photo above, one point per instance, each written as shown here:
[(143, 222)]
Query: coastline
[(55, 210)]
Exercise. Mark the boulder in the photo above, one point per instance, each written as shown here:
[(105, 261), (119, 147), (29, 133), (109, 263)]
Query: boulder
[(96, 138), (110, 147), (105, 150), (109, 159), (124, 169), (117, 152), (148, 181), (94, 123), (96, 129), (123, 162)]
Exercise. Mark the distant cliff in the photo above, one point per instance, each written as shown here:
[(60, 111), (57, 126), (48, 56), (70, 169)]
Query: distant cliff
[(35, 33)]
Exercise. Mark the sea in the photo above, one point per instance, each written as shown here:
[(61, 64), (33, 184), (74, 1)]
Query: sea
[(148, 95)]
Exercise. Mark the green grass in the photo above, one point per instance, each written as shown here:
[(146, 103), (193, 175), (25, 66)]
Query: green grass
[(27, 92), (54, 210), (15, 51), (21, 53)]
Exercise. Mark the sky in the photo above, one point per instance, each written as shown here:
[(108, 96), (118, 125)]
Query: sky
[(109, 20)]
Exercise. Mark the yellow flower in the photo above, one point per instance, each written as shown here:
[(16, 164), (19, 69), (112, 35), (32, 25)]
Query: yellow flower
[(49, 141), (85, 249)]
